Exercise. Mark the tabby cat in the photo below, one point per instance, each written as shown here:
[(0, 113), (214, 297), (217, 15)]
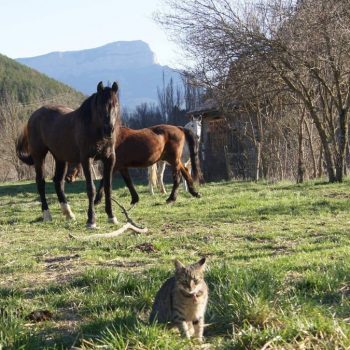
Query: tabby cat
[(182, 300)]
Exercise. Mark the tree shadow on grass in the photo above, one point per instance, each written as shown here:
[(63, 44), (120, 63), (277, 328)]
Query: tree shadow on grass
[(15, 188)]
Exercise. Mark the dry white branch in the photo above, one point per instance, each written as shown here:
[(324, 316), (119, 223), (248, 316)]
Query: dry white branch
[(130, 225), (127, 226)]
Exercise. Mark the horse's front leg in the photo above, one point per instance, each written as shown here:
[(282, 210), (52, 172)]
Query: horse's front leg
[(91, 191), (108, 165)]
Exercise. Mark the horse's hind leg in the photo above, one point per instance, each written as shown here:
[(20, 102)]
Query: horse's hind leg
[(58, 179), (176, 183), (40, 183), (152, 177), (99, 193), (187, 165), (160, 175), (188, 178), (127, 179)]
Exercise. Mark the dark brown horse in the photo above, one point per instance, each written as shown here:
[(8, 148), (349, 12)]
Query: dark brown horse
[(142, 148), (74, 136)]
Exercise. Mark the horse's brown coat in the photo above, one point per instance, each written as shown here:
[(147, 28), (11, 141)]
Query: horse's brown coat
[(73, 136), (142, 148)]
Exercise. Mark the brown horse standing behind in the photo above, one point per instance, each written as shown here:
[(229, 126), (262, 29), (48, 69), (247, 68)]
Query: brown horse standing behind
[(73, 136), (144, 147)]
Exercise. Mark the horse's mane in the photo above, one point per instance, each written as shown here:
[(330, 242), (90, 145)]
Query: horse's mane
[(84, 111), (85, 108)]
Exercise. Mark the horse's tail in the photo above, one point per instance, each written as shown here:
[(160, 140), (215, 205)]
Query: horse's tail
[(193, 146), (22, 147)]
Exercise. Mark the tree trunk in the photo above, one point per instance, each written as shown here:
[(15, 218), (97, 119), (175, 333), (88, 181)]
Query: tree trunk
[(258, 161), (313, 156), (325, 145), (342, 143), (301, 166)]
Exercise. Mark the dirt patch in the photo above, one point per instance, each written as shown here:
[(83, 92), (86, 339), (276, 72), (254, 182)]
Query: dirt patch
[(125, 264), (39, 316), (337, 195), (61, 258), (147, 247)]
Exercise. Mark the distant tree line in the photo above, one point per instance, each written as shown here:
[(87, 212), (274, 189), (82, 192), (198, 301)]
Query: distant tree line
[(280, 70), (173, 104)]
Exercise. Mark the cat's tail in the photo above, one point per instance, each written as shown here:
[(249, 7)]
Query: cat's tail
[(22, 147)]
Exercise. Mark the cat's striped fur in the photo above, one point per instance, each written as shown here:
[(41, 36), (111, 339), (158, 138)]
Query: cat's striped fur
[(182, 300)]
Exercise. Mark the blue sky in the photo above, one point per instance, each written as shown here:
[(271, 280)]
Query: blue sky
[(34, 27)]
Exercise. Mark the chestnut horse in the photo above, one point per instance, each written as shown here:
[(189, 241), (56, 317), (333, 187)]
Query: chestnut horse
[(156, 171), (78, 136), (144, 147)]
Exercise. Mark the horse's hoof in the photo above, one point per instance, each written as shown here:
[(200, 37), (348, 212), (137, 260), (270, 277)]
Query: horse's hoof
[(92, 226), (197, 195), (134, 201), (97, 201), (170, 201), (47, 215), (113, 220), (66, 210)]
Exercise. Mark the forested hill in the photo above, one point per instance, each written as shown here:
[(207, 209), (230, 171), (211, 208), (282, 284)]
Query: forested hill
[(26, 85)]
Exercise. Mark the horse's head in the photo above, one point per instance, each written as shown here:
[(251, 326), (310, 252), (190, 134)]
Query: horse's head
[(107, 109), (195, 125)]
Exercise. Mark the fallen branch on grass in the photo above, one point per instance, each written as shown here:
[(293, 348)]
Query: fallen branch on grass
[(130, 225)]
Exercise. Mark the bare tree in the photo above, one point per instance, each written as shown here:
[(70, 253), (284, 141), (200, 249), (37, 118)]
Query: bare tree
[(303, 47), (12, 117)]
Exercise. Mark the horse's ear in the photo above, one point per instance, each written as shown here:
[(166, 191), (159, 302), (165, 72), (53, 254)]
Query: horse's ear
[(100, 87), (192, 117), (200, 118), (115, 87)]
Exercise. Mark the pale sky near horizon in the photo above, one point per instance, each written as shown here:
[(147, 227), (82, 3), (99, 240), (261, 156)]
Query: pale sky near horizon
[(35, 27)]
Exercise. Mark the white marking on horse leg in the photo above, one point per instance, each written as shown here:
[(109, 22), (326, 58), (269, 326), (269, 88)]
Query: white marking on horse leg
[(91, 226), (113, 220), (185, 184), (66, 210), (47, 215)]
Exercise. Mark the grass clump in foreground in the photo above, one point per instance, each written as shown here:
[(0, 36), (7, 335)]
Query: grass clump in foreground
[(278, 274)]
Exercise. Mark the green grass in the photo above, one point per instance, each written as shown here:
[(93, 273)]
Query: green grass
[(278, 268)]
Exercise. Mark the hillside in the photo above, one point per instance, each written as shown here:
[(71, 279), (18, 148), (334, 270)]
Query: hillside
[(278, 268), (23, 90), (131, 63), (27, 85)]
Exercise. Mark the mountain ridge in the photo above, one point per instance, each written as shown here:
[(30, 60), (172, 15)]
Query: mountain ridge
[(131, 63)]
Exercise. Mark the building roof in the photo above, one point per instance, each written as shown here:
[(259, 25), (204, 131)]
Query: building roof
[(209, 105)]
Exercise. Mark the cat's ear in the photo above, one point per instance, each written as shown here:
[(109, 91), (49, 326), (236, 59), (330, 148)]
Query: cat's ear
[(201, 263), (178, 265)]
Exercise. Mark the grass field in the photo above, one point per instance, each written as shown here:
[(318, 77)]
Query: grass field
[(278, 268)]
